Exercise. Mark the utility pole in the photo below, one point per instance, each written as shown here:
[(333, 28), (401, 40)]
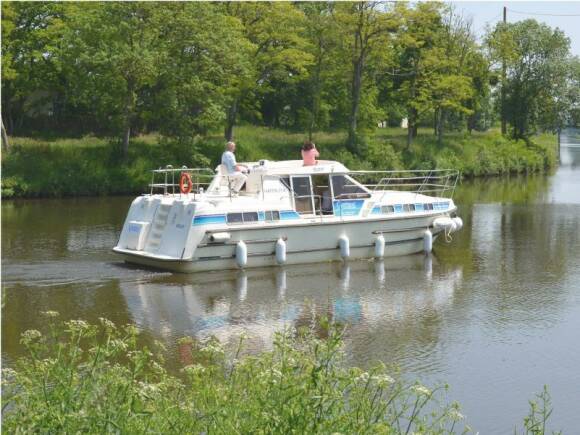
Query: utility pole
[(503, 77)]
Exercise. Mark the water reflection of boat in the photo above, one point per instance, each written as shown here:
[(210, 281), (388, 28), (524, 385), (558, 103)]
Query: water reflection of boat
[(263, 301)]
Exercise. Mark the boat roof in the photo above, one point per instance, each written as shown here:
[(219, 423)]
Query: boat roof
[(292, 167)]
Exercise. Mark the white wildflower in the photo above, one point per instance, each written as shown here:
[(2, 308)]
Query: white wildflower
[(383, 380), (363, 377), (107, 323), (194, 369), (29, 336), (131, 330), (50, 314), (455, 415), (213, 346), (421, 390), (8, 373), (77, 325), (147, 390), (156, 367), (117, 344)]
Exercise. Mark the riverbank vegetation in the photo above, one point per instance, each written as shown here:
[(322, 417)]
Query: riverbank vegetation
[(94, 166), (193, 75), (83, 378)]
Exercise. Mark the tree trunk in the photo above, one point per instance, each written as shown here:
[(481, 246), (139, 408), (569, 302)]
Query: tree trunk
[(126, 137), (411, 128), (355, 94), (5, 143), (435, 121), (129, 109), (440, 126), (231, 120)]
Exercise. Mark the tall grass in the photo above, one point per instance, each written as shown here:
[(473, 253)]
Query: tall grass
[(93, 166), (83, 378)]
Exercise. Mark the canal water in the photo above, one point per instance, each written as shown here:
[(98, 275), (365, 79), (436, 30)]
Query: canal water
[(495, 313)]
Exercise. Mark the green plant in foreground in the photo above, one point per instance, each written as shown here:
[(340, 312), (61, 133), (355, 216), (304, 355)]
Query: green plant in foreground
[(88, 378), (540, 412)]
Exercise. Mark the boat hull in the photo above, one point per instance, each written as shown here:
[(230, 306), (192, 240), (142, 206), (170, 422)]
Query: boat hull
[(308, 242)]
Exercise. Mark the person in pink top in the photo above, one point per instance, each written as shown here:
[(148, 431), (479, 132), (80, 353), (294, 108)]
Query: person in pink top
[(309, 153)]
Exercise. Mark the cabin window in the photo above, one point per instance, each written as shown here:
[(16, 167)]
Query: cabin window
[(428, 206), (272, 215), (345, 187), (302, 187), (409, 207), (322, 194), (286, 182), (251, 216), (235, 218), (387, 209)]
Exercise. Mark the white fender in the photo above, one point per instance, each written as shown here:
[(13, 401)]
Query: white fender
[(280, 251), (380, 246), (344, 245), (427, 241), (458, 223), (443, 222), (220, 237), (241, 254)]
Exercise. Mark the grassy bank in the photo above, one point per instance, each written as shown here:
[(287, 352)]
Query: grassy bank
[(82, 378), (93, 166)]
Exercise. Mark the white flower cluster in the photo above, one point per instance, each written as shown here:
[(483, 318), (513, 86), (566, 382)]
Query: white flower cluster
[(107, 323), (421, 390), (455, 415), (194, 370), (118, 345), (148, 390), (29, 336), (362, 378), (383, 380), (77, 325), (50, 314)]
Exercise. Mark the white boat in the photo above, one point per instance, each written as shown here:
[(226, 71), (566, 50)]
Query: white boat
[(286, 213)]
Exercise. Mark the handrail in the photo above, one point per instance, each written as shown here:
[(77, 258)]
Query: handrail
[(198, 175), (437, 182)]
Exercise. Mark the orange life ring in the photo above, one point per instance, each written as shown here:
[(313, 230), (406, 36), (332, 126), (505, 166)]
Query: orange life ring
[(185, 183)]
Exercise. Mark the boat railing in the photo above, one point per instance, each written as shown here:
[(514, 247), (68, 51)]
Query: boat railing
[(433, 182), (166, 180)]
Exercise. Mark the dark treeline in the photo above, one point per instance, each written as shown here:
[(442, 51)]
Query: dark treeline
[(186, 69)]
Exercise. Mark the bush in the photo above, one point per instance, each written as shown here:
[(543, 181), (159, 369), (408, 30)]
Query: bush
[(90, 166), (82, 378)]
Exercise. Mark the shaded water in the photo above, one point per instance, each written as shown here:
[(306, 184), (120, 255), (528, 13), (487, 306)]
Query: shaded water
[(496, 313)]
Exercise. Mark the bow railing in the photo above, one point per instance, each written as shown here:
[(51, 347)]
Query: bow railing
[(166, 180)]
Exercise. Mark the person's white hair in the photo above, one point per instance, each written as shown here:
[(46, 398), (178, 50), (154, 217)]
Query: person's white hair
[(230, 144)]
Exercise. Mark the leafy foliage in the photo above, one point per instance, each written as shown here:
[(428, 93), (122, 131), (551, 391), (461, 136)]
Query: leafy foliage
[(80, 377), (538, 80), (119, 70)]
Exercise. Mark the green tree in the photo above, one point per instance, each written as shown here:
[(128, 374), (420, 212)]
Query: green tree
[(115, 52), (368, 30), (537, 62), (8, 71), (30, 75), (322, 33), (206, 54), (419, 58), (279, 56), (452, 87)]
